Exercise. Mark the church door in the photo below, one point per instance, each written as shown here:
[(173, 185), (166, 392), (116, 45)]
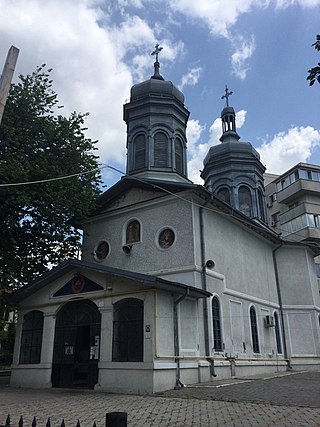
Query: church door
[(76, 345)]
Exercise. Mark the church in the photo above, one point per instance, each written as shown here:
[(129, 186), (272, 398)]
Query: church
[(178, 283)]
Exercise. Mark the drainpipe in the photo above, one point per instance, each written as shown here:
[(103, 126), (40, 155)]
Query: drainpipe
[(179, 384), (284, 339), (204, 287)]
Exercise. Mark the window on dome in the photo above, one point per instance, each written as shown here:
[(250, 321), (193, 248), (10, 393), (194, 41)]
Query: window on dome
[(245, 202), (178, 155), (160, 150), (261, 206), (140, 152), (224, 195)]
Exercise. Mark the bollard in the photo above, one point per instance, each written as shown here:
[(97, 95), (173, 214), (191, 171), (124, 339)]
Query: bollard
[(116, 419)]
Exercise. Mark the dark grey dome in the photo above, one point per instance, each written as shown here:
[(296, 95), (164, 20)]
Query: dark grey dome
[(233, 149), (156, 86)]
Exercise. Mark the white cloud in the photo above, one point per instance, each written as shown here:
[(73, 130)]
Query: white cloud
[(191, 78), (286, 149), (243, 51)]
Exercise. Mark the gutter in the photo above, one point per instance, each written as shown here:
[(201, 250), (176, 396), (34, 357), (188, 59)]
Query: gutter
[(205, 303), (284, 338), (179, 384)]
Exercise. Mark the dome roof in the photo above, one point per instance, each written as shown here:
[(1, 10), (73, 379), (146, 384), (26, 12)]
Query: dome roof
[(236, 149), (154, 86)]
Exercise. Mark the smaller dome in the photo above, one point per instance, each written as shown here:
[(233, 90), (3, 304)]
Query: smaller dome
[(231, 149), (156, 86)]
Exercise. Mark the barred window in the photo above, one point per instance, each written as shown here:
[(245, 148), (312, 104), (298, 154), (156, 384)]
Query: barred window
[(254, 330), (127, 343), (277, 332), (216, 320), (31, 338)]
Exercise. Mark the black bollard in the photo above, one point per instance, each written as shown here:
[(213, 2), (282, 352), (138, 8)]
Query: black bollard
[(116, 419)]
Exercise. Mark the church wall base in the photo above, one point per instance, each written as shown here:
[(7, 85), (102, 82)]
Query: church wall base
[(31, 376)]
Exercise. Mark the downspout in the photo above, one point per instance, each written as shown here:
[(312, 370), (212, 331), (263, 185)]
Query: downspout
[(179, 384), (284, 338), (204, 287)]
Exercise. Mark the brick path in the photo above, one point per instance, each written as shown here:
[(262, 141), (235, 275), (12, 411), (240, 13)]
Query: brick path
[(291, 400)]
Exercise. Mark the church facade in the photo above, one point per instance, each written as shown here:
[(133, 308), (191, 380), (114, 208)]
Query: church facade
[(178, 283)]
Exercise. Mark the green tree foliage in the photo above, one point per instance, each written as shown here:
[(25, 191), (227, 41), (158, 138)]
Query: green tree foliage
[(314, 73), (39, 221)]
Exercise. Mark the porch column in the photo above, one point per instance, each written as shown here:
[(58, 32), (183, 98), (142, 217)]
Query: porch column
[(106, 334), (49, 322)]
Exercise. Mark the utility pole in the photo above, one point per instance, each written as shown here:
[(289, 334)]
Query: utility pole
[(6, 77)]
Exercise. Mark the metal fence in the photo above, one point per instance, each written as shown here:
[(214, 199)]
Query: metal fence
[(113, 419)]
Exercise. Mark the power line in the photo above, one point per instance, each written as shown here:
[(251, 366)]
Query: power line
[(41, 181)]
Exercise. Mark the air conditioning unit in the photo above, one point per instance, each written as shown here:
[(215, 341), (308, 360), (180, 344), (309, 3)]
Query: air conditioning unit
[(269, 321)]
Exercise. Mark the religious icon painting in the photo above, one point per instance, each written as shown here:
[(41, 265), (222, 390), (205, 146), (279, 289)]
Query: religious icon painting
[(102, 251), (166, 238)]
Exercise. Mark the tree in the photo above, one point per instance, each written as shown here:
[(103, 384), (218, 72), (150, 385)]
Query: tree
[(39, 220), (314, 73)]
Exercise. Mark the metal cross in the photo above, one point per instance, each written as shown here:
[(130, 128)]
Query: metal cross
[(227, 94), (156, 51)]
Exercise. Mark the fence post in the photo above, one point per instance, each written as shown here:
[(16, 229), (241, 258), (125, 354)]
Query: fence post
[(116, 419)]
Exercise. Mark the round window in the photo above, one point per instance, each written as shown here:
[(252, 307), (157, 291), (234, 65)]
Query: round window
[(102, 251), (166, 238)]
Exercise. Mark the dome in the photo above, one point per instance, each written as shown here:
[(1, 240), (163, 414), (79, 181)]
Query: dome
[(231, 149), (155, 86)]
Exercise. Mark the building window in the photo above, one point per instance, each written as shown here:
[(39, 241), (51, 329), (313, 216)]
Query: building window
[(140, 152), (178, 155), (277, 332), (224, 195), (160, 150), (31, 337), (245, 203), (133, 232), (127, 343), (254, 330), (216, 321)]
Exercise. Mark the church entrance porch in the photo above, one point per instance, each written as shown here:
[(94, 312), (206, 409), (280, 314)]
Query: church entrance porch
[(76, 345)]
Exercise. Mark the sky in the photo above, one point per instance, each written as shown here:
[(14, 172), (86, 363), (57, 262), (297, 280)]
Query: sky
[(261, 49)]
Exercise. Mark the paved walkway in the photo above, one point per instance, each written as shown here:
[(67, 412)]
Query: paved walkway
[(288, 400)]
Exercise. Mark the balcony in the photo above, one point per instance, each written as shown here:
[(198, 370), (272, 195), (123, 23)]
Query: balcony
[(297, 189)]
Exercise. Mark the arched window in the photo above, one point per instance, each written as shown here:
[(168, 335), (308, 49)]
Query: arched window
[(31, 338), (216, 321), (261, 206), (133, 232), (161, 150), (254, 330), (224, 195), (277, 332), (139, 152), (178, 155), (127, 343), (245, 203)]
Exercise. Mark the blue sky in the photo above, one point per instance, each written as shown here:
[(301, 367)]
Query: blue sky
[(99, 49)]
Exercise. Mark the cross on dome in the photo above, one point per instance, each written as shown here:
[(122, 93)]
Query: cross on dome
[(156, 51), (226, 96)]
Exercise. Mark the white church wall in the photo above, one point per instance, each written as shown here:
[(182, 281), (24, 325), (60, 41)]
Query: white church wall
[(146, 256)]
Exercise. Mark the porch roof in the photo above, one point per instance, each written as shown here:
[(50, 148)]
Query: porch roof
[(145, 280)]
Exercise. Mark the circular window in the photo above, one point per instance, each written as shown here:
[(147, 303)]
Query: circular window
[(102, 251), (166, 238)]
